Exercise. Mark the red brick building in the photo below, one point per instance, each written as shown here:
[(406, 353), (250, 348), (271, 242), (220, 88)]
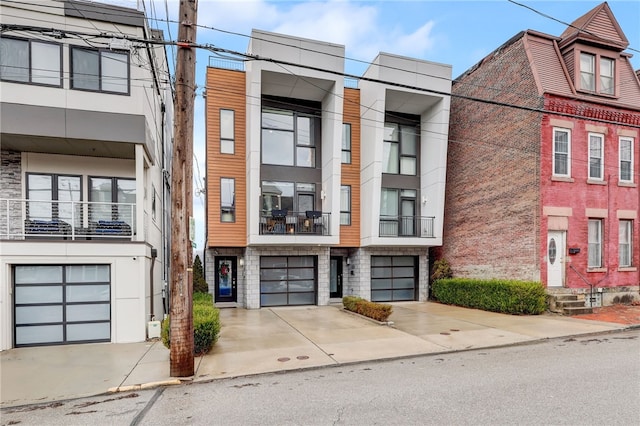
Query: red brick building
[(542, 174)]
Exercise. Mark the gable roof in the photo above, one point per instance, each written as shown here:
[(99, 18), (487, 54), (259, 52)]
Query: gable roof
[(597, 26)]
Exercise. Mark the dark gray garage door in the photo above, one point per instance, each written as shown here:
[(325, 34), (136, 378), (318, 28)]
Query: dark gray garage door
[(59, 304), (393, 278), (287, 280)]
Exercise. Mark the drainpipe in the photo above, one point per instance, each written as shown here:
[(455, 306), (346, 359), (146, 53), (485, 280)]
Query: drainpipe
[(154, 254)]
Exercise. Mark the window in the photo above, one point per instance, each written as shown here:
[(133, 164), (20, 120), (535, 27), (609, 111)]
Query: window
[(52, 197), (288, 138), (588, 72), (400, 150), (595, 243), (561, 152), (227, 200), (345, 205), (346, 143), (100, 70), (293, 197), (227, 131), (625, 241), (597, 74), (30, 61), (606, 76), (398, 212), (626, 160), (112, 199), (596, 153)]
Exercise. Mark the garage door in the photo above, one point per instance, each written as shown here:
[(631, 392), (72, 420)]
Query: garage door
[(393, 278), (59, 304), (287, 280)]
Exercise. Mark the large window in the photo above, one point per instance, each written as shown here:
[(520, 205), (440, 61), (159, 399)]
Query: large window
[(626, 160), (288, 138), (51, 197), (227, 200), (290, 196), (596, 156), (112, 199), (400, 149), (30, 61), (100, 70), (227, 131), (595, 243), (345, 205), (561, 152), (597, 74), (346, 143), (626, 243), (398, 212)]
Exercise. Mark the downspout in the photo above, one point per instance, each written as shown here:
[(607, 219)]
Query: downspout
[(154, 254)]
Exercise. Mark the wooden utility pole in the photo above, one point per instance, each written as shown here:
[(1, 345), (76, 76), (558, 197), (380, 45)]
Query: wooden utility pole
[(182, 346)]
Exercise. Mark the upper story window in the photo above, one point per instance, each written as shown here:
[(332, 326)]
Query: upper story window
[(400, 150), (30, 61), (288, 138), (597, 74), (596, 156), (227, 131), (100, 70), (227, 200), (561, 152), (626, 160), (112, 199), (346, 143), (345, 205)]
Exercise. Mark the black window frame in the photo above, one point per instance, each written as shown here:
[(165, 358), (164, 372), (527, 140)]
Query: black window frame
[(346, 213), (55, 210), (115, 214), (30, 57), (99, 77), (223, 138), (228, 209), (346, 143)]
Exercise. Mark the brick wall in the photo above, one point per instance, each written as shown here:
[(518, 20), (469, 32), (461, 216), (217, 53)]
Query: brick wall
[(492, 204)]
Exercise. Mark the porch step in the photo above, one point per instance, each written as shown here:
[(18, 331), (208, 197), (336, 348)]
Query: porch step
[(577, 310), (561, 304)]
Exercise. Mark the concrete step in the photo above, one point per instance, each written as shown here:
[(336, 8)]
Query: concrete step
[(569, 303), (577, 310), (565, 297)]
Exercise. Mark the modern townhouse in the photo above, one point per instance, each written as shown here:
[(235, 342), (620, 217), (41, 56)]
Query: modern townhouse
[(316, 190), (86, 114), (542, 179)]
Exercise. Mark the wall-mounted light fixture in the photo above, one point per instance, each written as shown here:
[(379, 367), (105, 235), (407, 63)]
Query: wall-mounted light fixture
[(323, 194), (348, 261), (424, 199), (241, 261)]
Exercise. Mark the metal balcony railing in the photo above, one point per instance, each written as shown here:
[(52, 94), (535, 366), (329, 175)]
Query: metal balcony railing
[(67, 220), (284, 222), (406, 226)]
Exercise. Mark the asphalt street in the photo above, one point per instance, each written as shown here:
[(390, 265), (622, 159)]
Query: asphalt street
[(585, 380)]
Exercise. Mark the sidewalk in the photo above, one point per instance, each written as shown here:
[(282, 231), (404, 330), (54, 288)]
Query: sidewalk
[(276, 339)]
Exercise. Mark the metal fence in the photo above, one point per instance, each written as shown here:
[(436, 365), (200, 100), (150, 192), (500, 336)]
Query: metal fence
[(407, 226)]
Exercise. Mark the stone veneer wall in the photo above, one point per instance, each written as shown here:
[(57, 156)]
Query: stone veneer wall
[(10, 188)]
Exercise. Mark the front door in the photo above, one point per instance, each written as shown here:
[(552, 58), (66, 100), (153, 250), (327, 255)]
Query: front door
[(556, 250), (335, 279), (226, 279)]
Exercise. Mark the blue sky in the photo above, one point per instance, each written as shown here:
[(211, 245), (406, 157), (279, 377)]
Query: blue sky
[(459, 33)]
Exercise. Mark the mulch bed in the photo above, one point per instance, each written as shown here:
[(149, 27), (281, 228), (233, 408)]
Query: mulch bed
[(620, 314)]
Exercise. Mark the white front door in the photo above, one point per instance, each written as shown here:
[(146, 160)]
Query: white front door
[(556, 250)]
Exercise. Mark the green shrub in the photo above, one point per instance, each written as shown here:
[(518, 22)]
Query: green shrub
[(441, 270), (206, 324), (504, 296), (377, 311)]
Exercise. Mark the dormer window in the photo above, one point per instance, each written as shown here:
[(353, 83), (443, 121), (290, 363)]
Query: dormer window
[(597, 74)]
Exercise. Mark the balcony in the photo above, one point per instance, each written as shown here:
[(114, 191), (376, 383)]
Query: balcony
[(407, 226), (284, 222), (66, 220)]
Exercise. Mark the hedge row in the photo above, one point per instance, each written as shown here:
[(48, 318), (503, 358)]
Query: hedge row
[(377, 311), (504, 296), (206, 324)]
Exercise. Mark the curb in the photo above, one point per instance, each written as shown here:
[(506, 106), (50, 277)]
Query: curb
[(143, 386)]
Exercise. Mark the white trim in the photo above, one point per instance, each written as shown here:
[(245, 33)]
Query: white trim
[(553, 151), (620, 139), (601, 171)]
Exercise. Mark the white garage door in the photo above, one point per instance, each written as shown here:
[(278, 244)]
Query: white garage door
[(60, 304)]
